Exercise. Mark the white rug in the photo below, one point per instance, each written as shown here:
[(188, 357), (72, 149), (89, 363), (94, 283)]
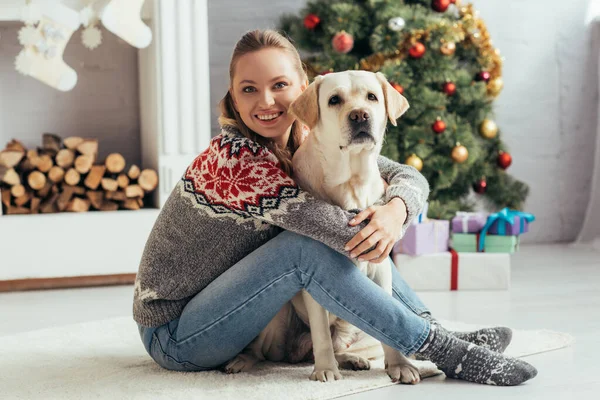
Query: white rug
[(106, 360)]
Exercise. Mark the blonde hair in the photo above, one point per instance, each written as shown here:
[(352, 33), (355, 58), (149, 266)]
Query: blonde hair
[(253, 41)]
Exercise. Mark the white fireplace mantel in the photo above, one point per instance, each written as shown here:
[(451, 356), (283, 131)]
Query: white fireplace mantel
[(175, 126)]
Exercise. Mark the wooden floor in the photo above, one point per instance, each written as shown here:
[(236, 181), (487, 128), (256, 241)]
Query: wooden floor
[(553, 287)]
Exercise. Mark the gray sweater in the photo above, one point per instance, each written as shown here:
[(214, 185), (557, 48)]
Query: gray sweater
[(232, 199)]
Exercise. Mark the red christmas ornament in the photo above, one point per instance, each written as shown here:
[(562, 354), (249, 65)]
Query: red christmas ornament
[(311, 21), (417, 50), (480, 187), (449, 88), (399, 88), (453, 1), (504, 160), (483, 76), (440, 5), (439, 126), (342, 42)]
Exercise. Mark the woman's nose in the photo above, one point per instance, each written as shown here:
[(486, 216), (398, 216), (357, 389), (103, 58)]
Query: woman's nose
[(267, 99)]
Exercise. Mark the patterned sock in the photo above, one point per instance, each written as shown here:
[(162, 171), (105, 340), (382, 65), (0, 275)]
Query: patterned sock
[(462, 360), (494, 339)]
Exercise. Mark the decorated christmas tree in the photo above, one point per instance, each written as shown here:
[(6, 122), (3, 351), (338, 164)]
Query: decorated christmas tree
[(439, 55)]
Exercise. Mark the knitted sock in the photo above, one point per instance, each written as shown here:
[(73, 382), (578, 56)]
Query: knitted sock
[(495, 339), (462, 360)]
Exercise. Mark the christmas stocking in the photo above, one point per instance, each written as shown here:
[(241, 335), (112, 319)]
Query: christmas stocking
[(42, 56), (122, 17)]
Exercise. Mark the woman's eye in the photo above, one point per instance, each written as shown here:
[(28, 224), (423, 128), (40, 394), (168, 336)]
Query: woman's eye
[(248, 89), (280, 85), (333, 100), (371, 96)]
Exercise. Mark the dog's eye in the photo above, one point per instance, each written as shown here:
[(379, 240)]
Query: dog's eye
[(372, 97), (333, 100)]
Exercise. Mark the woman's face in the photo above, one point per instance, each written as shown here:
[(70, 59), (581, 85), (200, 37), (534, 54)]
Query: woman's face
[(265, 83)]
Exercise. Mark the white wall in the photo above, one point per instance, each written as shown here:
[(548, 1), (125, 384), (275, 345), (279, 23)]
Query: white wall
[(547, 111)]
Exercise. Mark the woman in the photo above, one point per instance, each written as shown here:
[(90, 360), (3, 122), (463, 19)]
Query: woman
[(237, 239)]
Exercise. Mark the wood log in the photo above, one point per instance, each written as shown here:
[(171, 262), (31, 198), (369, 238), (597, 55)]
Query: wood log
[(36, 180), (72, 142), (134, 191), (94, 178), (49, 205), (44, 163), (43, 192), (56, 174), (17, 211), (78, 205), (110, 185), (88, 147), (96, 198), (79, 190), (34, 206), (30, 162), (17, 190), (15, 145), (65, 158), (123, 181), (72, 177), (134, 172), (64, 198), (148, 180), (10, 158), (9, 176), (109, 206), (6, 196), (131, 204), (21, 201), (84, 163), (117, 196), (51, 143), (115, 163)]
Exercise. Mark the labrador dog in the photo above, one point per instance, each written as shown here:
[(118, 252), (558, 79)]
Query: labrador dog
[(347, 114)]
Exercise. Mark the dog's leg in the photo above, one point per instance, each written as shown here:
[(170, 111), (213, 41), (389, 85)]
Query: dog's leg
[(326, 369), (397, 366)]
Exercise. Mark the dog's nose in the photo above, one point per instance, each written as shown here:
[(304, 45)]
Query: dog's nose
[(359, 116)]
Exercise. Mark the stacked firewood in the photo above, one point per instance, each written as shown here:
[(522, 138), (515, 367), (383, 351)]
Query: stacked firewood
[(65, 175)]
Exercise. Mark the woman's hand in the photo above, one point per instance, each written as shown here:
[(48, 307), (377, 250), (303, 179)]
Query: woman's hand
[(383, 230)]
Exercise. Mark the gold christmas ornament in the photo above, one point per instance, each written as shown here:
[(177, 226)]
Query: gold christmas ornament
[(495, 86), (488, 129), (460, 153), (414, 161), (448, 48)]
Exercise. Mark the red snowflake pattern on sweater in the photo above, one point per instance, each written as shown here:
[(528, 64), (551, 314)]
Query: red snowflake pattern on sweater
[(237, 175)]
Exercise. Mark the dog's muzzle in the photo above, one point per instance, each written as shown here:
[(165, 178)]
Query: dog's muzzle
[(360, 127)]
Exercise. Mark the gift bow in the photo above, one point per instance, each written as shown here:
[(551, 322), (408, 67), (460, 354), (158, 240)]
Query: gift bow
[(506, 215), (464, 218)]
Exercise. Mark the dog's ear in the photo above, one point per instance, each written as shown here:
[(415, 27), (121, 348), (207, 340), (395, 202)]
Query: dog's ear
[(306, 106), (395, 103)]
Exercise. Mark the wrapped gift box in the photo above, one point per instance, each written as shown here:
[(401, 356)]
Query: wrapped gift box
[(430, 236), (467, 222), (508, 222), (454, 271), (469, 243)]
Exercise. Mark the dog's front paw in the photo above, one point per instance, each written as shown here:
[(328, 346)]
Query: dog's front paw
[(240, 363), (352, 361), (325, 374), (404, 372)]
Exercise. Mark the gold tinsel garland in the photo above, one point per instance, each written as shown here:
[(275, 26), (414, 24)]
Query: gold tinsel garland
[(469, 28)]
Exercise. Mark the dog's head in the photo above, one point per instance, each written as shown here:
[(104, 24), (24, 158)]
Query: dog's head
[(349, 109)]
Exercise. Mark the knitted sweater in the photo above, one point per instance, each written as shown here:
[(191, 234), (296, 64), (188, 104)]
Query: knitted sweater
[(232, 199)]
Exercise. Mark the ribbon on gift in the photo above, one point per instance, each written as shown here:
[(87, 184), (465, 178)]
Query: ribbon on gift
[(454, 270), (464, 219), (505, 215)]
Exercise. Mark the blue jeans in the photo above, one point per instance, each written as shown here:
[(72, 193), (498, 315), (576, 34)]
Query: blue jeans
[(221, 320)]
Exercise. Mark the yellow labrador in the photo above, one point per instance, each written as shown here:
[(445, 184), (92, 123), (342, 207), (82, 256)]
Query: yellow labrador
[(347, 114)]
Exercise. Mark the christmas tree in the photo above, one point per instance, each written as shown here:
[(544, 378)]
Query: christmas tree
[(439, 55)]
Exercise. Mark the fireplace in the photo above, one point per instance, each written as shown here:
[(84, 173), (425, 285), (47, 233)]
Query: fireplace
[(174, 126)]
